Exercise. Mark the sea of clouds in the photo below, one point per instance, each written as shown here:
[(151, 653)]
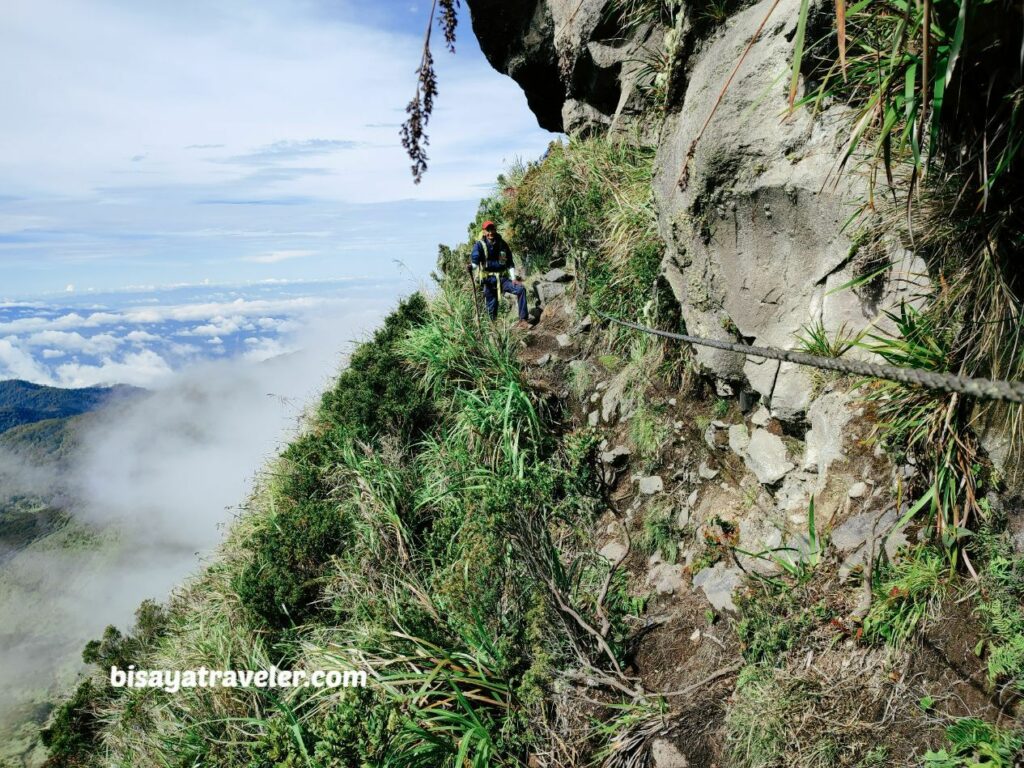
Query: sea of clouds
[(229, 373)]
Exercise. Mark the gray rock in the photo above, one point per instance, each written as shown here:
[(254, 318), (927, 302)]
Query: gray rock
[(711, 437), (718, 583), (705, 472), (584, 325), (739, 439), (556, 276), (760, 417), (824, 441), (616, 457), (852, 534), (548, 291), (766, 457), (593, 418), (853, 538), (723, 388), (617, 400), (650, 485), (759, 536), (791, 392), (563, 340), (691, 500), (857, 490), (543, 360), (768, 266), (683, 517), (613, 551), (665, 754), (672, 402), (665, 578), (1014, 525)]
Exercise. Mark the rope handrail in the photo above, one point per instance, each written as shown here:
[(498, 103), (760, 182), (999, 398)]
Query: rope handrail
[(983, 389)]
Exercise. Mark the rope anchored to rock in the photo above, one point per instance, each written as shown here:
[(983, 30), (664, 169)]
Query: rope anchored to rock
[(983, 389)]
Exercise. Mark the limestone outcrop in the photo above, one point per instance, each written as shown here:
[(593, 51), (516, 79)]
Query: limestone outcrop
[(752, 206)]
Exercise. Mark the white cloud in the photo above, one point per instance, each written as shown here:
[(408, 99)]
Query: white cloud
[(141, 337), (51, 354), (265, 349), (198, 312), (100, 344), (140, 369), (16, 363), (276, 256)]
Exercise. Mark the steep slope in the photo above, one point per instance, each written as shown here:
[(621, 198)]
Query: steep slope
[(584, 545)]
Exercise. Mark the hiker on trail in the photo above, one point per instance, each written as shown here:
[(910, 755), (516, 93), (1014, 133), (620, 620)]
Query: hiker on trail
[(495, 270)]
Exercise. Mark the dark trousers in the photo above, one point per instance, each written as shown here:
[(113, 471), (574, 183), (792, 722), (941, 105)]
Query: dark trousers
[(491, 296)]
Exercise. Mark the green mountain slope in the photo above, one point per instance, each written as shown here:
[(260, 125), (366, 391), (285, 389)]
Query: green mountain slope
[(22, 402), (535, 544)]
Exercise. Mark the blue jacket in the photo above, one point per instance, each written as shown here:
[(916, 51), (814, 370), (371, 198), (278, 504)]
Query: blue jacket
[(495, 257)]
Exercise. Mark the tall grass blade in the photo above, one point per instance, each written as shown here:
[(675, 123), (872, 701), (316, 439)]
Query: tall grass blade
[(798, 51), (841, 32)]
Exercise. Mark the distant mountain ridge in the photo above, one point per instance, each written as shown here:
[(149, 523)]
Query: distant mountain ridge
[(22, 402)]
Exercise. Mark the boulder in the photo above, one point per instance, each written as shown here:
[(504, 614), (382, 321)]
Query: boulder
[(584, 325), (547, 291), (760, 417), (718, 583), (616, 457), (853, 539), (556, 276), (824, 441), (705, 472), (617, 401), (613, 551), (739, 439), (666, 578), (857, 490), (651, 485), (767, 458)]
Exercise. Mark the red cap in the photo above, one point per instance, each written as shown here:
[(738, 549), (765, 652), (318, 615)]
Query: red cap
[(488, 225)]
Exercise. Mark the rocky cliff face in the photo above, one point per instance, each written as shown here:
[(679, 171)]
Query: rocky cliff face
[(752, 206), (577, 65)]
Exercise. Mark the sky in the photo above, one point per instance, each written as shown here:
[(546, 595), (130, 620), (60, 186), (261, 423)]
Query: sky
[(208, 199), (230, 142)]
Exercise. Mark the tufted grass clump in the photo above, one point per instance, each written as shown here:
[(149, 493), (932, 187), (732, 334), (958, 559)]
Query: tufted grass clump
[(383, 539), (590, 201)]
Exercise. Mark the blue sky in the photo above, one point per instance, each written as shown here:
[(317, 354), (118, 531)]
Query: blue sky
[(207, 141)]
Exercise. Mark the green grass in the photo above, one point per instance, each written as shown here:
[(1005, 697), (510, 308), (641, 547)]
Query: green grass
[(942, 160), (648, 430), (591, 202), (660, 534), (386, 537), (905, 593), (972, 743), (933, 427), (816, 340)]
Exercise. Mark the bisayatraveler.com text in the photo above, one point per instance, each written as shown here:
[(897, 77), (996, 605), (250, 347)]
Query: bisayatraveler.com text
[(173, 680)]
